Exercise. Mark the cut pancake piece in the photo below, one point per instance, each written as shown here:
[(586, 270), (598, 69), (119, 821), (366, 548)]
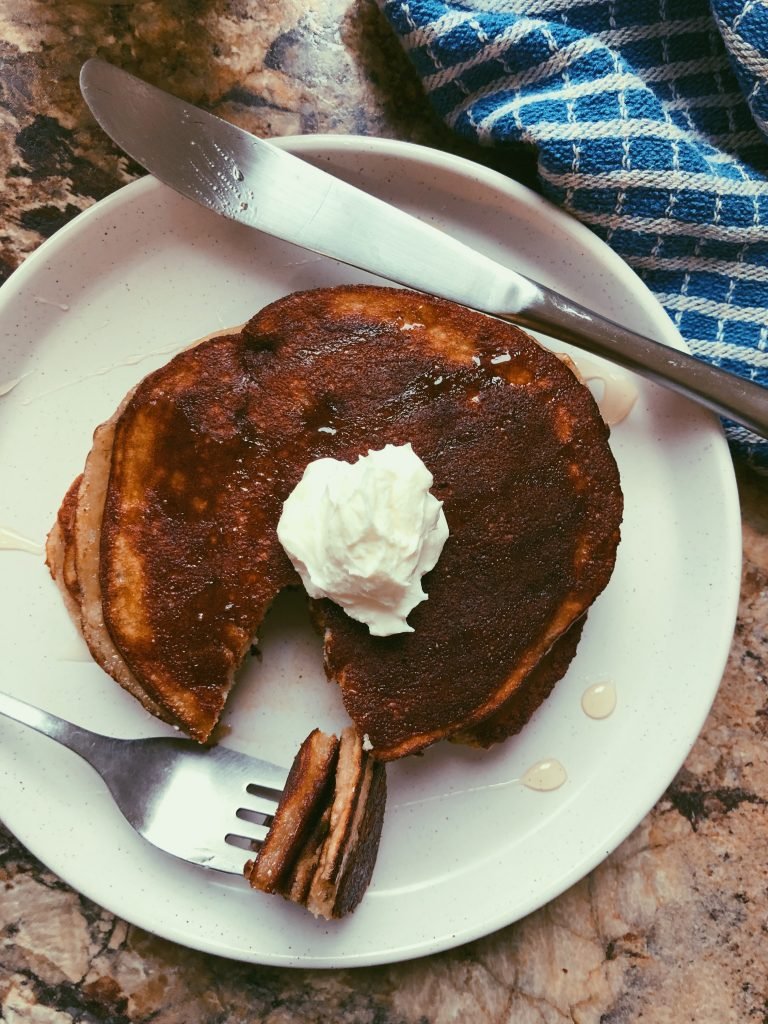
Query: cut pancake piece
[(348, 854), (321, 848), (209, 446), (305, 797)]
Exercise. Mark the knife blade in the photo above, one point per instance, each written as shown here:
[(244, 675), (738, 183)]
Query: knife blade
[(251, 181)]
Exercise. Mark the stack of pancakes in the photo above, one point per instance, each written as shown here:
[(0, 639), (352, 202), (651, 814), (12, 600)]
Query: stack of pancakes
[(166, 548)]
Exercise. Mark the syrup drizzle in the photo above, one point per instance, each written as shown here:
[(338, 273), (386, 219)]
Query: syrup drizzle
[(102, 371), (599, 700), (50, 302), (77, 650), (543, 777), (12, 541), (619, 393), (9, 385)]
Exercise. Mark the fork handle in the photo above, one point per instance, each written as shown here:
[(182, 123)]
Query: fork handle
[(81, 741)]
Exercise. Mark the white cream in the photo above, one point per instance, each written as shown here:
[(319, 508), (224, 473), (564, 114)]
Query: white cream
[(364, 534)]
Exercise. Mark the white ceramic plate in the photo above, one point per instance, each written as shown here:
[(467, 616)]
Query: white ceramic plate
[(466, 847)]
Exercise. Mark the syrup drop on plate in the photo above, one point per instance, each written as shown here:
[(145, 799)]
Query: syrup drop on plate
[(599, 701), (545, 775)]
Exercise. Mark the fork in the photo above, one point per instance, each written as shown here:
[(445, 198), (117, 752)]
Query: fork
[(210, 806)]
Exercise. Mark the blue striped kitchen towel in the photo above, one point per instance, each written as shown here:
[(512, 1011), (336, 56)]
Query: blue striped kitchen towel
[(650, 123)]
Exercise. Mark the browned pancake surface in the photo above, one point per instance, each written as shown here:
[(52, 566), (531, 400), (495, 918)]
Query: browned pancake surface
[(210, 446), (517, 710)]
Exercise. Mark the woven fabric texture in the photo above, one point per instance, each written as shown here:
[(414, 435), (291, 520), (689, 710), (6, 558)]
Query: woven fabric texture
[(650, 123)]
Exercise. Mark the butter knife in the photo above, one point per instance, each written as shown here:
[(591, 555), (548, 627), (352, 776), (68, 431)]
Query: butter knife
[(222, 167)]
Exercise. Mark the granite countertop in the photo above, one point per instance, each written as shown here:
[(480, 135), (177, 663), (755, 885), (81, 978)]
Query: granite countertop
[(673, 926)]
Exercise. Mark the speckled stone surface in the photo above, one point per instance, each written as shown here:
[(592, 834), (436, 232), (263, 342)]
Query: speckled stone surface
[(673, 926)]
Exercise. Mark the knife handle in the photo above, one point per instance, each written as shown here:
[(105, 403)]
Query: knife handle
[(724, 393)]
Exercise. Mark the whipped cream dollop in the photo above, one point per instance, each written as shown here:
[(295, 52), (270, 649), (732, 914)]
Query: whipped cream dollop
[(364, 534)]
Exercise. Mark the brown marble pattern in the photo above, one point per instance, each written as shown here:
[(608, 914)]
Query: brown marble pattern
[(674, 925), (279, 67)]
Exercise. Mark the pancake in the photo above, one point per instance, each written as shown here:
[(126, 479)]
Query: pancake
[(518, 709), (321, 848), (209, 446), (73, 550), (347, 856), (308, 792), (60, 551)]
